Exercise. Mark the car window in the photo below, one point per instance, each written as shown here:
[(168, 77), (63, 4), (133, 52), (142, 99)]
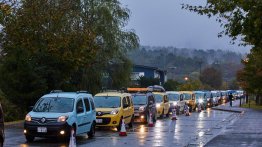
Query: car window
[(128, 101), (165, 99), (79, 106), (124, 101), (193, 97), (181, 97), (92, 104), (87, 104), (151, 98)]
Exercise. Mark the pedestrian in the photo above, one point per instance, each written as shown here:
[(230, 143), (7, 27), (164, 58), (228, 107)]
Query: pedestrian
[(230, 97)]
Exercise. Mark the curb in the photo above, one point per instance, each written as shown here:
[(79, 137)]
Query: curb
[(18, 123), (229, 110)]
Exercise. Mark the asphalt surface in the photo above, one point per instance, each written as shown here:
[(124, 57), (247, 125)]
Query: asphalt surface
[(245, 132)]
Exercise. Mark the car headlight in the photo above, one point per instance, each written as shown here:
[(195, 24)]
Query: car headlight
[(142, 108), (28, 117), (174, 103), (157, 105), (200, 101), (114, 112), (62, 118)]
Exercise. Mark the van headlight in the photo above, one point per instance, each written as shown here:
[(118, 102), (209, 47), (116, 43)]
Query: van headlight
[(142, 108), (62, 118), (28, 117), (200, 101), (114, 112), (174, 103), (157, 105)]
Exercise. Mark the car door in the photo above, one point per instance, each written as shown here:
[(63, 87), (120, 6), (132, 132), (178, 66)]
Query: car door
[(88, 114), (80, 117)]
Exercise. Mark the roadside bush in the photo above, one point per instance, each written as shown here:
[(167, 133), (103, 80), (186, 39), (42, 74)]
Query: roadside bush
[(12, 112)]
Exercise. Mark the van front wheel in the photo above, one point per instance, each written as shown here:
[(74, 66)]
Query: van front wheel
[(29, 138), (91, 133)]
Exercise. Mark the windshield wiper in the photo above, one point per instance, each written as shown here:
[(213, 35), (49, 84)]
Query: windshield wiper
[(114, 107)]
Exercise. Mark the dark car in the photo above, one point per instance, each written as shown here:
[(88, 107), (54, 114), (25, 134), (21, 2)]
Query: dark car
[(144, 105), (2, 132)]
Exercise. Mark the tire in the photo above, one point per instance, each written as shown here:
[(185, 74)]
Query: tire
[(1, 143), (92, 131), (119, 125), (177, 110), (167, 115), (147, 118), (190, 109), (130, 125), (162, 114), (155, 117), (29, 138)]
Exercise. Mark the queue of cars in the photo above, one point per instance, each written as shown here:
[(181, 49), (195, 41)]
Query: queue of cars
[(58, 113)]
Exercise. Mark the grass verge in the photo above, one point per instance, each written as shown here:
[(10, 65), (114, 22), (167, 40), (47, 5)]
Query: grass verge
[(252, 104)]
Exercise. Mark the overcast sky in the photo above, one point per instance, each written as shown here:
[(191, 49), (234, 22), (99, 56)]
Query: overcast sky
[(164, 23)]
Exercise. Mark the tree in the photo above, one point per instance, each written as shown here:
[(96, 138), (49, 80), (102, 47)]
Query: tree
[(145, 82), (171, 85), (250, 78), (191, 85), (211, 77), (242, 19), (60, 44)]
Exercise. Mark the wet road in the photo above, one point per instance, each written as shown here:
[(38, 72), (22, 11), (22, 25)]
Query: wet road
[(194, 130)]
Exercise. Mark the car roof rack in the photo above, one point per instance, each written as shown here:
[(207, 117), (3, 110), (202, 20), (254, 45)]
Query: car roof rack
[(56, 91), (82, 91), (139, 90), (157, 88)]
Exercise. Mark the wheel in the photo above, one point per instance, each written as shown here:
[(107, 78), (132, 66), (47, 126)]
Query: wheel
[(162, 114), (190, 109), (130, 125), (155, 117), (177, 110), (1, 143), (29, 138), (119, 125), (167, 115), (91, 133), (147, 118)]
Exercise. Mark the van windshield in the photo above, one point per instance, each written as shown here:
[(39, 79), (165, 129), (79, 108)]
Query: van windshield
[(159, 98), (107, 101), (173, 97), (199, 95), (139, 99), (54, 104), (187, 96)]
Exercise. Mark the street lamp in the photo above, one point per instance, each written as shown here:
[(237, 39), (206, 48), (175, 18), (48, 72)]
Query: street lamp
[(186, 78)]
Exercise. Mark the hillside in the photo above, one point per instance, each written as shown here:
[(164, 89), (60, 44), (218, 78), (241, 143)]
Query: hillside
[(187, 62)]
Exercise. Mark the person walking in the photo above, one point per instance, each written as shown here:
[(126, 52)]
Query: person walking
[(230, 97)]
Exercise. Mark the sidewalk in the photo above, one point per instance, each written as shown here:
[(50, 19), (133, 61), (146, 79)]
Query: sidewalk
[(246, 131)]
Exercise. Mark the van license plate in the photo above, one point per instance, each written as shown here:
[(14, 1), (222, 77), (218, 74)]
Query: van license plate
[(41, 129), (99, 120)]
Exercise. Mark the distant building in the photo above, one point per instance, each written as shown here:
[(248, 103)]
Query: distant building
[(148, 72)]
